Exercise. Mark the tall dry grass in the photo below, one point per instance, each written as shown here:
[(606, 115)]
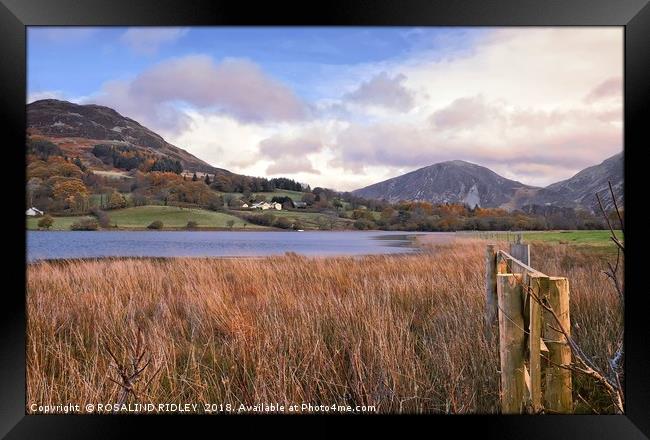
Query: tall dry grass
[(402, 333)]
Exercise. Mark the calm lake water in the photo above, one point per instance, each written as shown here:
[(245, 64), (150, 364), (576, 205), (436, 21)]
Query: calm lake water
[(89, 244)]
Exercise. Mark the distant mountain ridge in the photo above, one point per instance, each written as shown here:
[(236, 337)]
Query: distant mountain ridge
[(453, 181), (55, 119), (458, 181), (580, 190)]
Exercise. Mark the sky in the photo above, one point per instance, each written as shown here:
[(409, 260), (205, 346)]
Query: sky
[(345, 107)]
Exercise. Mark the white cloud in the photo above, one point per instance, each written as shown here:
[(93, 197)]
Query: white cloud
[(234, 87), (383, 91)]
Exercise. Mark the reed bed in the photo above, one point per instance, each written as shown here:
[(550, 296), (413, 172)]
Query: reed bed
[(402, 333)]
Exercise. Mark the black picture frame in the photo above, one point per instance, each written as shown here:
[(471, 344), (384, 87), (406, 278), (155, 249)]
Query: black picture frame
[(634, 15)]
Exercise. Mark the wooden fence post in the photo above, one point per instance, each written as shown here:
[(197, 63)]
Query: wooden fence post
[(490, 287), (511, 342), (521, 252), (557, 395), (538, 286)]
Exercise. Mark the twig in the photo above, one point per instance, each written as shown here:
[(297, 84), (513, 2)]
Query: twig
[(128, 379)]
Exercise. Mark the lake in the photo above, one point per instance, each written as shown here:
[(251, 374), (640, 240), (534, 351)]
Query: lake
[(92, 244)]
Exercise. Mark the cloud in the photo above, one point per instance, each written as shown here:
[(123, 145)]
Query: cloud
[(517, 142), (147, 40), (516, 103), (289, 153), (383, 91), (235, 87), (610, 88), (281, 145), (292, 166), (464, 112), (533, 104)]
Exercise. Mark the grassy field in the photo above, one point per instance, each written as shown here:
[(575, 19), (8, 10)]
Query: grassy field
[(174, 217), (586, 239), (590, 238), (400, 333), (309, 220), (60, 223)]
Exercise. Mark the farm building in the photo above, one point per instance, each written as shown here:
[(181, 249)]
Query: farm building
[(266, 205), (302, 205), (34, 212)]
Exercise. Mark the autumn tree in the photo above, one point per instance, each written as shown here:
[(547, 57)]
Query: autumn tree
[(72, 193), (46, 222), (116, 200)]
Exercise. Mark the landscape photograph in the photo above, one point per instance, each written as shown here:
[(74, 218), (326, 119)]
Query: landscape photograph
[(300, 220)]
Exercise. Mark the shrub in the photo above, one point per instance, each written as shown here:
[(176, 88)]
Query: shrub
[(103, 218), (156, 224), (266, 219), (363, 224), (283, 223), (85, 224), (190, 225), (46, 222)]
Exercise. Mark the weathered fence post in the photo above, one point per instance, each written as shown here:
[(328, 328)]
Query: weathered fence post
[(511, 342), (521, 252), (490, 287), (538, 286), (557, 395)]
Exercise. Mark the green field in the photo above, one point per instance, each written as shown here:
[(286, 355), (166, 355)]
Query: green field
[(60, 223), (174, 217), (142, 216), (309, 220), (579, 238), (591, 238)]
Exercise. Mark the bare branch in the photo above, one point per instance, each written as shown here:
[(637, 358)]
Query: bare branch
[(618, 212)]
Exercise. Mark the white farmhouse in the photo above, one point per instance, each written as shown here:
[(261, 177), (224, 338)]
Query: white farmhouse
[(261, 205), (266, 205), (34, 212)]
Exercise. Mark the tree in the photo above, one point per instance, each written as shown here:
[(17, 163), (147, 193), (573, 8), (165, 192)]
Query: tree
[(191, 225), (116, 201), (156, 224), (230, 223), (46, 222), (308, 198), (363, 224), (42, 148), (72, 193), (283, 223), (79, 164), (103, 218), (85, 224), (194, 178), (207, 179)]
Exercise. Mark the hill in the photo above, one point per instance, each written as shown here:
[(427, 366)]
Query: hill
[(454, 181), (76, 129)]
